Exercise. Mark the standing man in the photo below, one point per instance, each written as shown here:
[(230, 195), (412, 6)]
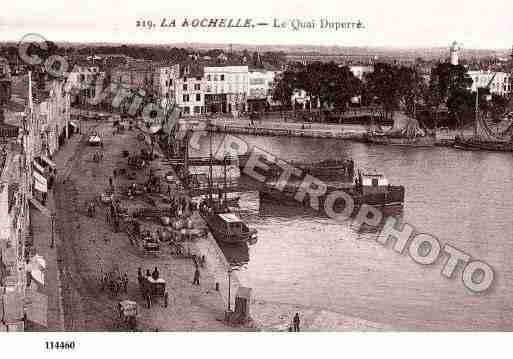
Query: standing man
[(296, 322), (196, 277)]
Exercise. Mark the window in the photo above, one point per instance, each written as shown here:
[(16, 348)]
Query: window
[(374, 182), (215, 77), (222, 77), (197, 87), (185, 98), (198, 97), (185, 87), (197, 109), (208, 78)]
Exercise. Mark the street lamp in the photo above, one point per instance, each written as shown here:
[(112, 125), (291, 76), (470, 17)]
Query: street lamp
[(229, 286), (52, 223)]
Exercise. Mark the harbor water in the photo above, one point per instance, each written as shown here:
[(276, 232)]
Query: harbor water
[(310, 263)]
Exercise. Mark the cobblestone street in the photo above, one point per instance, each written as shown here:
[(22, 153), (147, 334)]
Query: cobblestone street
[(88, 247)]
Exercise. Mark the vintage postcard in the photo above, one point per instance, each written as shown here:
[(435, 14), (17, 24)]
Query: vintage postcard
[(255, 167)]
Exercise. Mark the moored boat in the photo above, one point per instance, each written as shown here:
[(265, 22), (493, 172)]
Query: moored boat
[(369, 188), (326, 169), (405, 132), (226, 226)]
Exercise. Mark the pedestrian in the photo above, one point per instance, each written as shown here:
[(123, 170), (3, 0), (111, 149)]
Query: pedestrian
[(125, 282), (44, 198), (110, 181), (155, 274), (296, 322), (148, 274), (148, 300), (50, 182), (166, 299), (196, 277)]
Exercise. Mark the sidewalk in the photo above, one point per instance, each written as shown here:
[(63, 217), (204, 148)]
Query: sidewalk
[(42, 238)]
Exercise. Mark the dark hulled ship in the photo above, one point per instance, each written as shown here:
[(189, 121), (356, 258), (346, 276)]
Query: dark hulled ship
[(369, 188)]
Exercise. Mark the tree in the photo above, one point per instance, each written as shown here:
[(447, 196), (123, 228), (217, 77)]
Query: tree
[(451, 84), (383, 87), (284, 88), (461, 105)]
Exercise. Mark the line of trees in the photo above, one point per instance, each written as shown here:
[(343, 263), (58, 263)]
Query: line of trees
[(325, 83), (391, 87)]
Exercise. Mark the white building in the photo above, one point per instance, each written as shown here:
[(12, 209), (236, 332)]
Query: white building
[(226, 89), (500, 81), (82, 82), (359, 71), (190, 95), (261, 83), (167, 75)]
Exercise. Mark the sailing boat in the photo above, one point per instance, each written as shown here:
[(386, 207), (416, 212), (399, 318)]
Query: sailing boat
[(226, 226), (484, 137), (409, 134)]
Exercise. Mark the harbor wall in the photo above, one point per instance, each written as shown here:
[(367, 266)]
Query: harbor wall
[(216, 265), (292, 131)]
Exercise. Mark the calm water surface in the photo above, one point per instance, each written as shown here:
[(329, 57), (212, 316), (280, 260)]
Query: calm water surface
[(463, 198)]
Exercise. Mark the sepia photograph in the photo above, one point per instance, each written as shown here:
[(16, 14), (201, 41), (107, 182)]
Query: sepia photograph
[(255, 167)]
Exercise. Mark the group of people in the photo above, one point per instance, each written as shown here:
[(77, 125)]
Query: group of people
[(155, 274), (115, 282), (98, 156)]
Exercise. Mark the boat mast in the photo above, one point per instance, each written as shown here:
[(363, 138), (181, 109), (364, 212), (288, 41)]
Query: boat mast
[(476, 113), (186, 159), (210, 169), (224, 191)]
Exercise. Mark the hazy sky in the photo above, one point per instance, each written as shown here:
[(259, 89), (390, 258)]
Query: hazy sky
[(476, 24)]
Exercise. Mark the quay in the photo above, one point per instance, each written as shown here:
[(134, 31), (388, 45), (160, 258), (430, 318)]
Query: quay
[(348, 132), (88, 247), (288, 129)]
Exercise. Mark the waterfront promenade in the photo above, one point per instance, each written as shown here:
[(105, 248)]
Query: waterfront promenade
[(87, 247)]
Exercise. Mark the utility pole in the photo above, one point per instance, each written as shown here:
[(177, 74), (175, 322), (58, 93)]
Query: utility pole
[(229, 286), (52, 223)]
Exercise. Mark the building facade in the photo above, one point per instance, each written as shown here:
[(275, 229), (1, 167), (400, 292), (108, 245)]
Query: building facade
[(40, 109), (226, 89), (190, 95), (82, 83), (498, 82), (14, 229), (361, 71), (156, 79), (261, 84)]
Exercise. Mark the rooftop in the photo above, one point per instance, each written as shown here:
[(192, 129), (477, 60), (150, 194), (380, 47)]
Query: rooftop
[(229, 217)]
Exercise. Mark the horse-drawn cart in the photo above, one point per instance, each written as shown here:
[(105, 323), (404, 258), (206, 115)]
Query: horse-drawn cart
[(152, 288), (127, 310)]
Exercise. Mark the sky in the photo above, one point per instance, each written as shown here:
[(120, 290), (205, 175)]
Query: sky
[(397, 23)]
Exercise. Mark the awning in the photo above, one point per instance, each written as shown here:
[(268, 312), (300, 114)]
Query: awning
[(49, 161), (41, 187), (40, 178), (38, 167)]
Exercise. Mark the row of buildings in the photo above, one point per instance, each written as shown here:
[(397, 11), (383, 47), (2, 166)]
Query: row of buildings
[(34, 123), (231, 89), (196, 90)]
